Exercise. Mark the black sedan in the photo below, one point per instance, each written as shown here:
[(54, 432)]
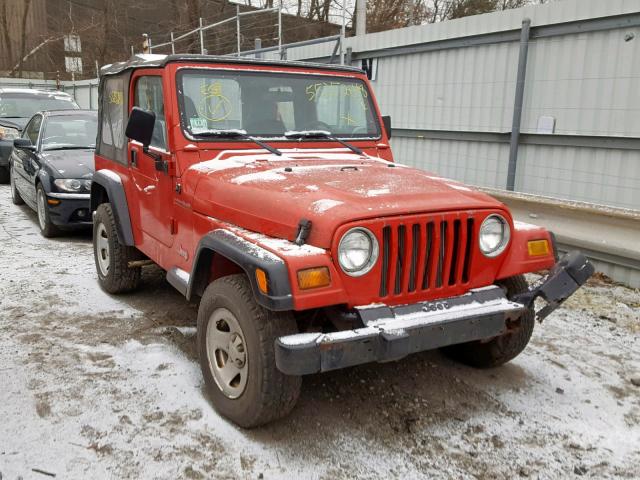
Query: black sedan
[(17, 106), (51, 167)]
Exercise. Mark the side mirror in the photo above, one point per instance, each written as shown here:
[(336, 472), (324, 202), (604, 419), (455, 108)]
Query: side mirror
[(140, 126), (386, 120), (24, 144)]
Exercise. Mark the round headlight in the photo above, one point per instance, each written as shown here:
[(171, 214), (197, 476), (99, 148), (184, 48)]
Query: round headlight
[(494, 235), (358, 251)]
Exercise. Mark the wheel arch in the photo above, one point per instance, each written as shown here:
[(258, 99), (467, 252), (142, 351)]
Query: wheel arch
[(221, 253), (106, 186)]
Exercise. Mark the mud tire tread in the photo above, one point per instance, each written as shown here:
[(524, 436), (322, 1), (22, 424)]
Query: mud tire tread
[(277, 393), (121, 277), (504, 348)]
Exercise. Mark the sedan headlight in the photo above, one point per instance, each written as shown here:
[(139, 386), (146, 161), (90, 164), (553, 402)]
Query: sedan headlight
[(7, 133), (72, 185), (358, 251), (494, 235)]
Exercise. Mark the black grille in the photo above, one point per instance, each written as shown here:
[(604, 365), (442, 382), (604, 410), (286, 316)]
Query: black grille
[(425, 255)]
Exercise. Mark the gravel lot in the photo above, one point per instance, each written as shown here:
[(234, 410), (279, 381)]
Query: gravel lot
[(94, 386)]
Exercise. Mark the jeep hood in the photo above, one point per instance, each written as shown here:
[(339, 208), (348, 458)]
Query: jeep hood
[(272, 194)]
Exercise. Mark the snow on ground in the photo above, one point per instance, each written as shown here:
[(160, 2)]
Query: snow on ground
[(95, 386)]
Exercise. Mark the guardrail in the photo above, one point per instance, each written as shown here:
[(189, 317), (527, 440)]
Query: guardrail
[(609, 236)]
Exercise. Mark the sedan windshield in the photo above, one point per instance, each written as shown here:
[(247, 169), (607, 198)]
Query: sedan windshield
[(70, 131), (268, 104), (24, 105)]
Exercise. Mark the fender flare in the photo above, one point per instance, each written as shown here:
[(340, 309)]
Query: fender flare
[(249, 257), (111, 182)]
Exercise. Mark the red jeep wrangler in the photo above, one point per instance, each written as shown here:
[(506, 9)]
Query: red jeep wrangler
[(268, 189)]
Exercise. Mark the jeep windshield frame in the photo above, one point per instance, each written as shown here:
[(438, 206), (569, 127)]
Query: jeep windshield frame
[(227, 98)]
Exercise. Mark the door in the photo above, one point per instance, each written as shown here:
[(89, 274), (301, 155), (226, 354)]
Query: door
[(25, 163), (154, 185)]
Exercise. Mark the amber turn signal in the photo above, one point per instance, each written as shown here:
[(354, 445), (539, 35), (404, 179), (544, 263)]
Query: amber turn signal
[(314, 278), (538, 248), (261, 278), (53, 201)]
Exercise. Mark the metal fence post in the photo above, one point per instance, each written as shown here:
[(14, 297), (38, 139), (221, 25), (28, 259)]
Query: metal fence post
[(280, 31), (257, 46), (173, 46), (201, 36), (517, 106), (238, 26)]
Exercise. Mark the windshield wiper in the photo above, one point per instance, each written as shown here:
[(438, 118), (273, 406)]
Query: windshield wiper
[(303, 134), (236, 133)]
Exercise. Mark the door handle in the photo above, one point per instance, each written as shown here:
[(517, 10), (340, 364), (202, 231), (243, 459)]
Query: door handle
[(134, 158)]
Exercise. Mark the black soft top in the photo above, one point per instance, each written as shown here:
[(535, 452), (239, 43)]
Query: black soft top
[(153, 60)]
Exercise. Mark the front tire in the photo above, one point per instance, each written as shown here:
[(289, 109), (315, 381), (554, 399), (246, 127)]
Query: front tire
[(47, 228), (504, 348), (236, 346), (15, 194), (111, 258)]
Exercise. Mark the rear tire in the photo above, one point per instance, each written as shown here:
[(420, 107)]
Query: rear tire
[(111, 258), (15, 194), (499, 350), (245, 387), (4, 174), (47, 228)]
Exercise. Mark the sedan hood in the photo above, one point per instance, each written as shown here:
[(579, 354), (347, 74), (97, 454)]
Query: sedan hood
[(14, 122), (272, 194), (70, 163)]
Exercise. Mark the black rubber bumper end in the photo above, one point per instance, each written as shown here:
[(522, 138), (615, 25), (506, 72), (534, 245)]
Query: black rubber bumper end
[(565, 277)]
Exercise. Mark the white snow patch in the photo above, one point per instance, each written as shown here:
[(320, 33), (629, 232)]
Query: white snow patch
[(266, 176), (459, 186), (320, 206), (377, 192), (111, 174), (313, 188), (524, 225)]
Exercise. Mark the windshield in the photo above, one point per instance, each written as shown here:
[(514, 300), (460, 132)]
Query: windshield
[(269, 104), (70, 131), (24, 105)]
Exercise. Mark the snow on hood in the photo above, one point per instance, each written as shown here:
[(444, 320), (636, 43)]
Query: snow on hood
[(271, 194)]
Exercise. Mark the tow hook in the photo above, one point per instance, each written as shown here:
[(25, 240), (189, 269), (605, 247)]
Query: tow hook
[(565, 277)]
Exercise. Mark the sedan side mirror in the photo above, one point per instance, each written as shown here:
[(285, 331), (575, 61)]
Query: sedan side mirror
[(386, 120), (24, 144), (140, 126)]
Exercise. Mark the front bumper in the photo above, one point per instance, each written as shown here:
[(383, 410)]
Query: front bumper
[(391, 333), (74, 209)]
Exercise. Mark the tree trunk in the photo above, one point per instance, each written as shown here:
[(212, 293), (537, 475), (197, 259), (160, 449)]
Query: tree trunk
[(23, 38)]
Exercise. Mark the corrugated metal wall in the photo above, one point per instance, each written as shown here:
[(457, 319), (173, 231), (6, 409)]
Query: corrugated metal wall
[(585, 74)]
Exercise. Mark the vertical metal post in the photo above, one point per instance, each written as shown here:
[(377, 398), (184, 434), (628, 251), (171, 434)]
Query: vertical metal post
[(361, 17), (132, 53), (342, 30), (517, 106), (257, 46), (201, 36), (90, 96), (280, 31), (238, 27), (173, 46)]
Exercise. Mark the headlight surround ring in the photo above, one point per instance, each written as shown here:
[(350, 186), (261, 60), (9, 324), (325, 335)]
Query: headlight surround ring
[(494, 225), (351, 247)]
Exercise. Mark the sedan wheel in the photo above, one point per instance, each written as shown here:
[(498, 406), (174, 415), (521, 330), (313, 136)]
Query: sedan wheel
[(47, 228), (15, 194)]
